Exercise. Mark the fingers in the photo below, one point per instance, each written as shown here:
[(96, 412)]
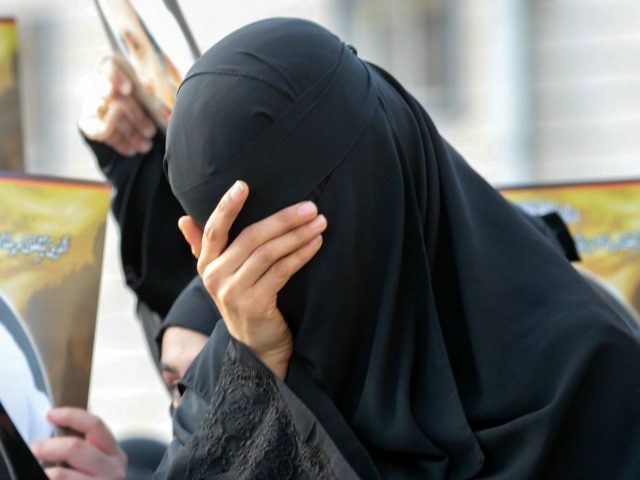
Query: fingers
[(137, 117), (282, 251), (90, 426), (118, 80), (96, 454), (257, 247), (281, 271), (125, 127), (192, 234), (112, 114), (259, 233), (216, 230), (244, 278), (77, 453), (60, 473)]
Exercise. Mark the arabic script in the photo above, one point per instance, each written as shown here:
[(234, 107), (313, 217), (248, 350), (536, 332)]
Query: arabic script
[(39, 247)]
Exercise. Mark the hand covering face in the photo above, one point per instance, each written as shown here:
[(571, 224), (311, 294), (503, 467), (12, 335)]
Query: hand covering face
[(438, 333)]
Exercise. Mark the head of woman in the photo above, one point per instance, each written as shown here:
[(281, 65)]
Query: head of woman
[(287, 107)]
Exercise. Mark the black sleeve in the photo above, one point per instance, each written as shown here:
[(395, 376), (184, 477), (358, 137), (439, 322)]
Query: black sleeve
[(156, 260), (254, 427)]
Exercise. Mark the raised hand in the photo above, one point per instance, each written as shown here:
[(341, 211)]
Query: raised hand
[(244, 277), (111, 114)]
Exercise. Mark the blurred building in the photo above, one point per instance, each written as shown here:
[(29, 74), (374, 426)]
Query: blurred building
[(528, 91), (586, 94)]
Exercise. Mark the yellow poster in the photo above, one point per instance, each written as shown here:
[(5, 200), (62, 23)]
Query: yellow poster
[(10, 125), (51, 244), (604, 219)]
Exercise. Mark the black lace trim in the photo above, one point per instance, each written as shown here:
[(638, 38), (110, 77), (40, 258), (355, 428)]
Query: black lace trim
[(248, 433)]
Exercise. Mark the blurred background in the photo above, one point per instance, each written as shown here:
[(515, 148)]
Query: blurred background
[(528, 91)]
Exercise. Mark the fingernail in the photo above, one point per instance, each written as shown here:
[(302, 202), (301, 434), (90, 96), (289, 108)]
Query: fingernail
[(307, 209), (125, 87), (319, 222), (236, 190)]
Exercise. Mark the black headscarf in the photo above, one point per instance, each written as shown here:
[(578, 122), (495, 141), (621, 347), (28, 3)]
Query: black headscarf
[(450, 337), (193, 309)]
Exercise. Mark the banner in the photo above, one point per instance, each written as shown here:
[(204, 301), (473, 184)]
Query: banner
[(604, 219), (10, 124), (51, 245)]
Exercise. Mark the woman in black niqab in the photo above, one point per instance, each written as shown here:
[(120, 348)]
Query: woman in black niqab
[(437, 333)]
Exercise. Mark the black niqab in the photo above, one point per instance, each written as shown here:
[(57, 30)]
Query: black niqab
[(450, 337)]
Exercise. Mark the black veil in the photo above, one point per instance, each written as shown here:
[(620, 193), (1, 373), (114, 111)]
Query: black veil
[(437, 332)]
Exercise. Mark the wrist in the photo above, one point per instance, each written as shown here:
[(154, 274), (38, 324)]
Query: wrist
[(277, 360)]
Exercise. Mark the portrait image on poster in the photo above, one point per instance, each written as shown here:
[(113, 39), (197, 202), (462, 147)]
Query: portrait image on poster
[(153, 51)]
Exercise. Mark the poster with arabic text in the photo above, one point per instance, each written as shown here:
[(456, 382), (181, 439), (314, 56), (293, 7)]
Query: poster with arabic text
[(51, 244)]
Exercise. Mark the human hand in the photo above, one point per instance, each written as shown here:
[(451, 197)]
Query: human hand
[(95, 454), (111, 113), (244, 278)]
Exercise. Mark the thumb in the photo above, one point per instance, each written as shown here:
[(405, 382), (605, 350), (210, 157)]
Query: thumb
[(192, 234)]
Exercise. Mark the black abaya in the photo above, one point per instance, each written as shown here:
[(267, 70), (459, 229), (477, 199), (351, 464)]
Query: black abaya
[(437, 333)]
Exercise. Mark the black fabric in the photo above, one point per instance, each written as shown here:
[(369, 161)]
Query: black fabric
[(251, 426), (151, 324), (557, 233), (558, 230), (450, 335), (250, 432), (143, 456), (193, 309), (156, 260)]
